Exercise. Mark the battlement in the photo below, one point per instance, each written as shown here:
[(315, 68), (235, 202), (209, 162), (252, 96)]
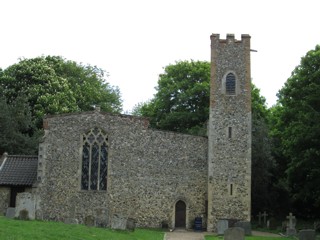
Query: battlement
[(230, 38)]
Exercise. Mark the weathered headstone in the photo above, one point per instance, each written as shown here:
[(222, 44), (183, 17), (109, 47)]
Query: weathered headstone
[(24, 215), (101, 217), (119, 222), (259, 219), (89, 221), (307, 234), (291, 225), (234, 233), (131, 224), (246, 226), (11, 212), (25, 202), (222, 225), (71, 221), (264, 215), (272, 223)]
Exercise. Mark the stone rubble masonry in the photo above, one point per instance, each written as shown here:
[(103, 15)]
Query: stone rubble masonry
[(148, 171), (229, 159)]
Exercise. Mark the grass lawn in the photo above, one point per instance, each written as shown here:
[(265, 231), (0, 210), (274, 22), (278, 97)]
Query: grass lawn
[(39, 230), (249, 238)]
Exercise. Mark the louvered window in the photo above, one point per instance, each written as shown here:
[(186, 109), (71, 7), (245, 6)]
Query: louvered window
[(230, 84), (94, 160)]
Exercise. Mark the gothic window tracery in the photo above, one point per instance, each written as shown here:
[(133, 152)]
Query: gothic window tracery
[(94, 160)]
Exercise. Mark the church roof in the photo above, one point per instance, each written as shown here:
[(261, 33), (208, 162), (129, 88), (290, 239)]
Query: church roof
[(18, 170)]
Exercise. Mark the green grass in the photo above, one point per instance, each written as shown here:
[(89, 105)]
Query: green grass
[(248, 238), (39, 230)]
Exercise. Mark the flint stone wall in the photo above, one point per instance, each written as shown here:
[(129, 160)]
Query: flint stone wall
[(4, 199), (229, 173), (148, 171)]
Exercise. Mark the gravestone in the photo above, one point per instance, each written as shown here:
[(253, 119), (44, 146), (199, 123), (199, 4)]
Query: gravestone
[(89, 221), (101, 217), (222, 225), (11, 212), (25, 202), (246, 226), (291, 225), (259, 219), (264, 215), (131, 224), (24, 215), (272, 224), (234, 233), (71, 221), (118, 222), (307, 234)]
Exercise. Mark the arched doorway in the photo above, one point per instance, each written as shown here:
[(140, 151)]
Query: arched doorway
[(180, 214)]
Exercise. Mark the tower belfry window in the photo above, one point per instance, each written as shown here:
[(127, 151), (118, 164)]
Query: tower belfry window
[(231, 84)]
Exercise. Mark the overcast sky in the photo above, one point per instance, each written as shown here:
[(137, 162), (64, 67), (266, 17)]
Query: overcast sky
[(134, 39)]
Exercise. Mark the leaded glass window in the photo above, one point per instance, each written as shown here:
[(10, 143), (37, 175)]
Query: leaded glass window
[(230, 84), (94, 160)]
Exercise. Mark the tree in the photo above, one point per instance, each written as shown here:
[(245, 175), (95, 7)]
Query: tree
[(298, 131), (262, 161), (182, 98), (15, 125), (54, 85)]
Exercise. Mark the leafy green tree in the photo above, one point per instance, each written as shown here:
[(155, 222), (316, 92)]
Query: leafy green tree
[(54, 85), (262, 161), (298, 129), (182, 98), (15, 125)]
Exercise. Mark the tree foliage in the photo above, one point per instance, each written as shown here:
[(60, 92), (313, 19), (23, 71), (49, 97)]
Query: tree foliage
[(262, 160), (54, 85), (182, 98), (297, 130), (15, 125)]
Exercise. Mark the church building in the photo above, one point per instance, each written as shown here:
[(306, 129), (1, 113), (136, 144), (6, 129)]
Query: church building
[(93, 166)]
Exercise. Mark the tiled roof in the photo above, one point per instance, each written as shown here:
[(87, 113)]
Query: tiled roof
[(18, 170)]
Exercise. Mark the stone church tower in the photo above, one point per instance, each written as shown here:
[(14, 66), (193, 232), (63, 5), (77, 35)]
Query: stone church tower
[(229, 131)]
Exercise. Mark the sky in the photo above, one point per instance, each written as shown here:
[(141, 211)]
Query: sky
[(133, 40)]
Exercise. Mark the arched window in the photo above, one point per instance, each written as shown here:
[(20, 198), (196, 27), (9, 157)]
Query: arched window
[(94, 160), (230, 84)]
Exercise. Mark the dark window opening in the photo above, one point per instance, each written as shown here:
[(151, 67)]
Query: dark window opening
[(230, 84), (230, 132), (94, 160)]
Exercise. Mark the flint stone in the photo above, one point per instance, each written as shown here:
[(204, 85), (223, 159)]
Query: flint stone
[(307, 234), (246, 227), (234, 233), (222, 226), (11, 212)]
